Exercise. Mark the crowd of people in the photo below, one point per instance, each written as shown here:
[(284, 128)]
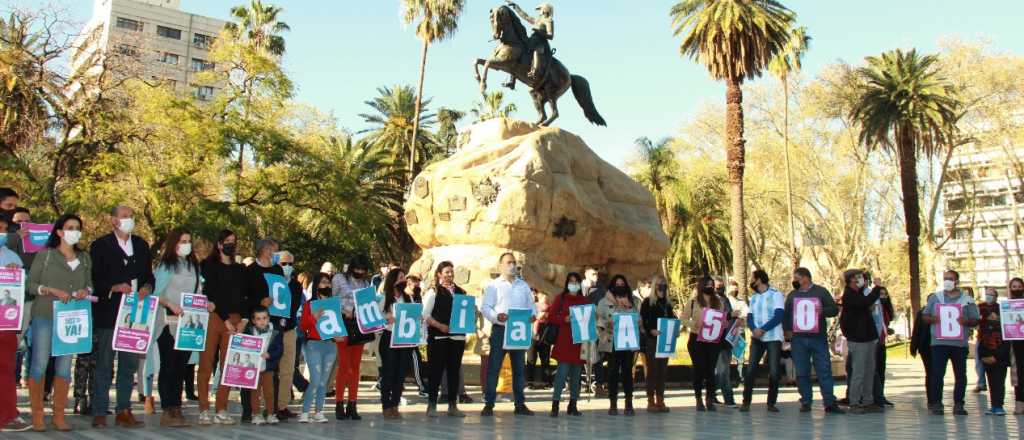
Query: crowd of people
[(238, 297)]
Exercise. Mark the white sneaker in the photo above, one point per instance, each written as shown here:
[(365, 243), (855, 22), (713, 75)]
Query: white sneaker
[(258, 420), (304, 418), (272, 419), (222, 418), (204, 418), (319, 418)]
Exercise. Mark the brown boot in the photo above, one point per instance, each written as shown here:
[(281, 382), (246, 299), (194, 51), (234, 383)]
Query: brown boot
[(60, 403), (660, 401), (35, 394), (167, 419), (182, 421), (99, 422), (127, 420), (149, 405), (652, 407)]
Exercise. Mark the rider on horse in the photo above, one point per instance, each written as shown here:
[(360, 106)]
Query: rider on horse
[(543, 30)]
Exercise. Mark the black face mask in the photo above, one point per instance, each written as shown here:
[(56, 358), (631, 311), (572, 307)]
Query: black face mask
[(708, 290), (720, 290), (229, 249), (324, 291), (358, 275), (662, 288), (620, 290), (1017, 293), (796, 285), (753, 286)]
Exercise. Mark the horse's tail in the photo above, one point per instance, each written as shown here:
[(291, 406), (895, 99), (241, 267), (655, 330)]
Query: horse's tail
[(581, 90)]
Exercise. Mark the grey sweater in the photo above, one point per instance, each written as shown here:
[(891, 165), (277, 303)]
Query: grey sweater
[(829, 309)]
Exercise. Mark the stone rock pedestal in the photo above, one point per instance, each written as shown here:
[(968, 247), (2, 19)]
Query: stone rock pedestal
[(540, 193)]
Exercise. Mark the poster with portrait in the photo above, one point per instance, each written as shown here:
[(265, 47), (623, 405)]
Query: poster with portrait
[(244, 361), (133, 329), (12, 298), (191, 333), (1011, 318)]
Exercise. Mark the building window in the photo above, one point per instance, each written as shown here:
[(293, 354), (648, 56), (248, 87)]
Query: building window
[(169, 58), (204, 93), (202, 41), (167, 32), (129, 24), (953, 205), (202, 64)]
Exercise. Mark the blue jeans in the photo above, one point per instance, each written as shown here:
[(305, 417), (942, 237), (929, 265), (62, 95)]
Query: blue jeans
[(42, 340), (771, 352), (127, 365), (494, 360), (958, 356), (979, 368), (808, 349), (319, 356), (571, 371)]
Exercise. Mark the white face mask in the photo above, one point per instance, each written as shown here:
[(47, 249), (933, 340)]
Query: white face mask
[(511, 270), (991, 299), (948, 285), (184, 249), (287, 271), (72, 237), (126, 225), (860, 283), (573, 288)]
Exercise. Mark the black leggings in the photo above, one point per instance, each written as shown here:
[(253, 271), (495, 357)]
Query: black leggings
[(172, 368), (620, 364), (704, 356), (395, 363), (539, 350), (444, 355), (1018, 354)]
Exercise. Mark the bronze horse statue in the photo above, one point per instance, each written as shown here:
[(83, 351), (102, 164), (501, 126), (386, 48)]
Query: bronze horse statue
[(553, 81)]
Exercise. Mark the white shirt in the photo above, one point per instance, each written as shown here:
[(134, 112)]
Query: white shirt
[(428, 310), (126, 246), (500, 296), (763, 306), (738, 305)]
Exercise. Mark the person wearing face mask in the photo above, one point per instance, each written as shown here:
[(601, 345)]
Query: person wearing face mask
[(177, 273), (657, 305), (948, 350), (257, 295), (10, 420), (122, 264), (704, 354), (286, 327), (858, 326), (63, 273), (395, 362), (8, 202), (920, 345), (993, 351), (444, 350), (620, 299), (811, 348), (350, 349), (767, 307), (540, 350), (723, 368), (595, 292), (16, 235), (223, 281), (1016, 291), (568, 354), (502, 294), (318, 352)]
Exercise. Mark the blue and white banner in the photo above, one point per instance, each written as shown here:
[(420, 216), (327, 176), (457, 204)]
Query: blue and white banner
[(368, 314), (518, 331), (463, 321), (280, 295), (329, 324), (668, 334), (407, 330), (72, 328), (583, 321), (627, 331)]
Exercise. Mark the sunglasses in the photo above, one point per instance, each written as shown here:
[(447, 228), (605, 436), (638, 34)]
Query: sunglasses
[(285, 263)]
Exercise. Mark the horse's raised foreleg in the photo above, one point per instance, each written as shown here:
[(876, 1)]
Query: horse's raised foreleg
[(554, 112), (538, 103), (481, 79)]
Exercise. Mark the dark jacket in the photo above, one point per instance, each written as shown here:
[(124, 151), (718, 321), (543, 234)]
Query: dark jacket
[(855, 320), (649, 314), (921, 336), (223, 284), (286, 324), (111, 266), (275, 349), (256, 288)]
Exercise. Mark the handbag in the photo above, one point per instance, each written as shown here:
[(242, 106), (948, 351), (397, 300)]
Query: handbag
[(356, 337), (549, 334)]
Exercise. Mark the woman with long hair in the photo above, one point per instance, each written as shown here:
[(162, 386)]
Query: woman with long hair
[(568, 354), (318, 352), (395, 362), (703, 353), (223, 281), (619, 299), (350, 348), (657, 305), (61, 272), (444, 350), (176, 273)]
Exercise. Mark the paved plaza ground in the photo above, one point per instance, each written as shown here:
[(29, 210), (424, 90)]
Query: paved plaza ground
[(909, 420)]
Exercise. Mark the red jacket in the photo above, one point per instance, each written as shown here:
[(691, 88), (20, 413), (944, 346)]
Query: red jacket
[(565, 350), (308, 323)]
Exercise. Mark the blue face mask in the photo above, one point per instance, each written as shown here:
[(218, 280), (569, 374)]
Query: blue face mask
[(3, 240), (287, 271)]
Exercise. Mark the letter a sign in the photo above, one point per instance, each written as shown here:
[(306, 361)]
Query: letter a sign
[(627, 331), (518, 330)]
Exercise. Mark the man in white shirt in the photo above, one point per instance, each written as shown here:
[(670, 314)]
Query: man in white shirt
[(764, 320), (507, 292)]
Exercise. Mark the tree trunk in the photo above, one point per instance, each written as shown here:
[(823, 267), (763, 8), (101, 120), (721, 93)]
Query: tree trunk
[(794, 252), (416, 114), (911, 212), (734, 151)]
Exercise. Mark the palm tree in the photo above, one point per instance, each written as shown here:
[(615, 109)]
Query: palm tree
[(258, 24), (447, 133), (392, 124), (492, 107), (735, 40), (438, 20), (907, 108), (659, 172), (699, 230), (787, 62)]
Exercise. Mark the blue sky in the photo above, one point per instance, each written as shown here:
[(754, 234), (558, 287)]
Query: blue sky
[(340, 51)]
